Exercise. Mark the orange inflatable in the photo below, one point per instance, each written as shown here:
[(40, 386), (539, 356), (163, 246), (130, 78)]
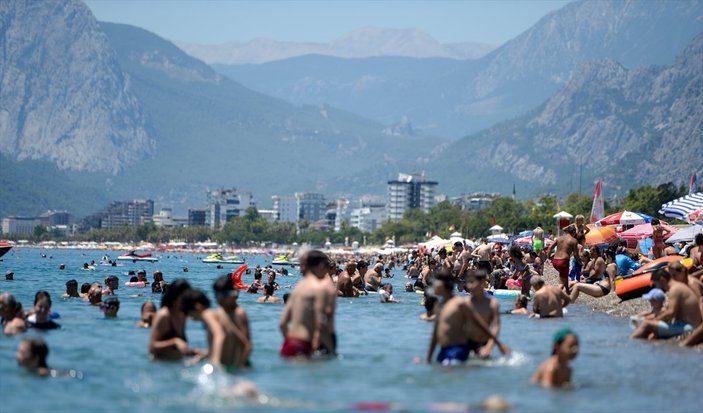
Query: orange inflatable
[(633, 287), (657, 264), (237, 277)]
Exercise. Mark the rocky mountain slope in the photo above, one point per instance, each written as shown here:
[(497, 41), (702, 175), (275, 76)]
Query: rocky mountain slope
[(627, 127), (63, 96), (361, 43), (458, 98)]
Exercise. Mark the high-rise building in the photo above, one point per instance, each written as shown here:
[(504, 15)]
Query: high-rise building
[(369, 217), (407, 192), (136, 212), (301, 205), (285, 208), (225, 204), (19, 225), (196, 217)]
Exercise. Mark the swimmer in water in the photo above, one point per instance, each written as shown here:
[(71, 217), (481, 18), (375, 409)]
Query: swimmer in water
[(42, 312), (112, 283), (430, 313), (110, 307), (31, 354), (95, 294), (555, 371), (168, 337), (148, 311), (268, 295), (13, 321), (71, 289), (229, 311), (520, 306)]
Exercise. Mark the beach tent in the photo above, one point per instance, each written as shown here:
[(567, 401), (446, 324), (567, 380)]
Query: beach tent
[(685, 234)]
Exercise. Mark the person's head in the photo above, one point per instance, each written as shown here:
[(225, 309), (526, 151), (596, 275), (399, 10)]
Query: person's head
[(32, 353), (225, 292), (133, 279), (158, 275), (148, 311), (678, 271), (516, 253), (566, 344), (85, 287), (655, 221), (72, 288), (42, 309), (378, 268), (42, 294), (537, 282), (442, 252), (570, 230), (141, 275), (112, 282), (156, 287), (110, 306), (458, 247), (539, 225), (272, 277), (362, 266), (95, 294), (8, 306), (409, 287), (656, 298), (579, 219), (172, 295), (443, 284), (194, 302), (9, 276), (317, 263), (350, 268), (661, 279), (268, 289), (521, 301), (62, 266), (476, 280), (388, 287), (699, 239)]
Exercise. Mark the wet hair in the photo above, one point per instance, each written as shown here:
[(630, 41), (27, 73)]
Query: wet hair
[(133, 279), (71, 282), (85, 287), (268, 289), (111, 278), (314, 258), (522, 299), (38, 348), (660, 273), (223, 284), (42, 294), (699, 239), (174, 291), (193, 297), (111, 301)]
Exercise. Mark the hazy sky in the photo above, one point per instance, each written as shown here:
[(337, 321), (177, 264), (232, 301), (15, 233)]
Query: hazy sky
[(211, 22)]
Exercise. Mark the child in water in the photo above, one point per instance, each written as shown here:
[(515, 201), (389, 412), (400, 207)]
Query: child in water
[(555, 371)]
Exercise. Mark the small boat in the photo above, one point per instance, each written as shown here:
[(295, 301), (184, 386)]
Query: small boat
[(219, 259), (134, 257), (284, 260), (5, 247)]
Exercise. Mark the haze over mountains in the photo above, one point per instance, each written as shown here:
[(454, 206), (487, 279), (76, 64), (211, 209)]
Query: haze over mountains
[(361, 43), (91, 112)]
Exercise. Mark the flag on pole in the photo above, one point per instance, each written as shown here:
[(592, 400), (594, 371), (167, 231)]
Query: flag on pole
[(692, 184), (597, 210)]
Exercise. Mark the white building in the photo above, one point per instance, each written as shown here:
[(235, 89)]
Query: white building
[(343, 213), (225, 204), (19, 225), (301, 205), (285, 208), (368, 218), (407, 192)]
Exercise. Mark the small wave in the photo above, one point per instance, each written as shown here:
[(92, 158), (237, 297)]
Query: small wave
[(515, 359)]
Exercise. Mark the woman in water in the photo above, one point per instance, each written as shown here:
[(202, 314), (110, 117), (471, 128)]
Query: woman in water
[(168, 337)]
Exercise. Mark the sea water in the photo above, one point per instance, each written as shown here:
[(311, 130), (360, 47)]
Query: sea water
[(379, 345)]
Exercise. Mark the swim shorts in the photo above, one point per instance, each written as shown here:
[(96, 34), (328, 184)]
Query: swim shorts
[(295, 347), (562, 266), (453, 355), (676, 328), (475, 346), (537, 245)]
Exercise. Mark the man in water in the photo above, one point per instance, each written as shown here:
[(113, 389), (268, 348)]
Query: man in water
[(372, 278), (268, 295), (148, 311), (71, 289), (450, 328), (110, 307), (305, 310), (385, 294), (549, 300), (230, 311), (555, 371), (31, 354), (95, 294), (566, 247), (345, 288), (682, 313), (112, 283), (487, 309), (11, 313)]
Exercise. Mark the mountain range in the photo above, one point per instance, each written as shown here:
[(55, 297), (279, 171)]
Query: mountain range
[(92, 112), (361, 43), (452, 99)]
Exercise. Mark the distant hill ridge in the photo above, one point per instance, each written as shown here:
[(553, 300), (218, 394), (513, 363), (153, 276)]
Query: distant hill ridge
[(361, 43)]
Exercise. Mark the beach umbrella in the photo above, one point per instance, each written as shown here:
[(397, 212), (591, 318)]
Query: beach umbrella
[(696, 216), (680, 208), (624, 218), (644, 231), (498, 239), (685, 234), (600, 235), (528, 241)]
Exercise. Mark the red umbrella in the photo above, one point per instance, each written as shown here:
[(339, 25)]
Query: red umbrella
[(644, 231)]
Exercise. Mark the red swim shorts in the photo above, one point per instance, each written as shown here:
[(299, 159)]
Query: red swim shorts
[(562, 266), (295, 347)]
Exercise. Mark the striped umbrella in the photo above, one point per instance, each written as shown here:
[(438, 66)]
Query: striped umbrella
[(681, 207), (600, 235)]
